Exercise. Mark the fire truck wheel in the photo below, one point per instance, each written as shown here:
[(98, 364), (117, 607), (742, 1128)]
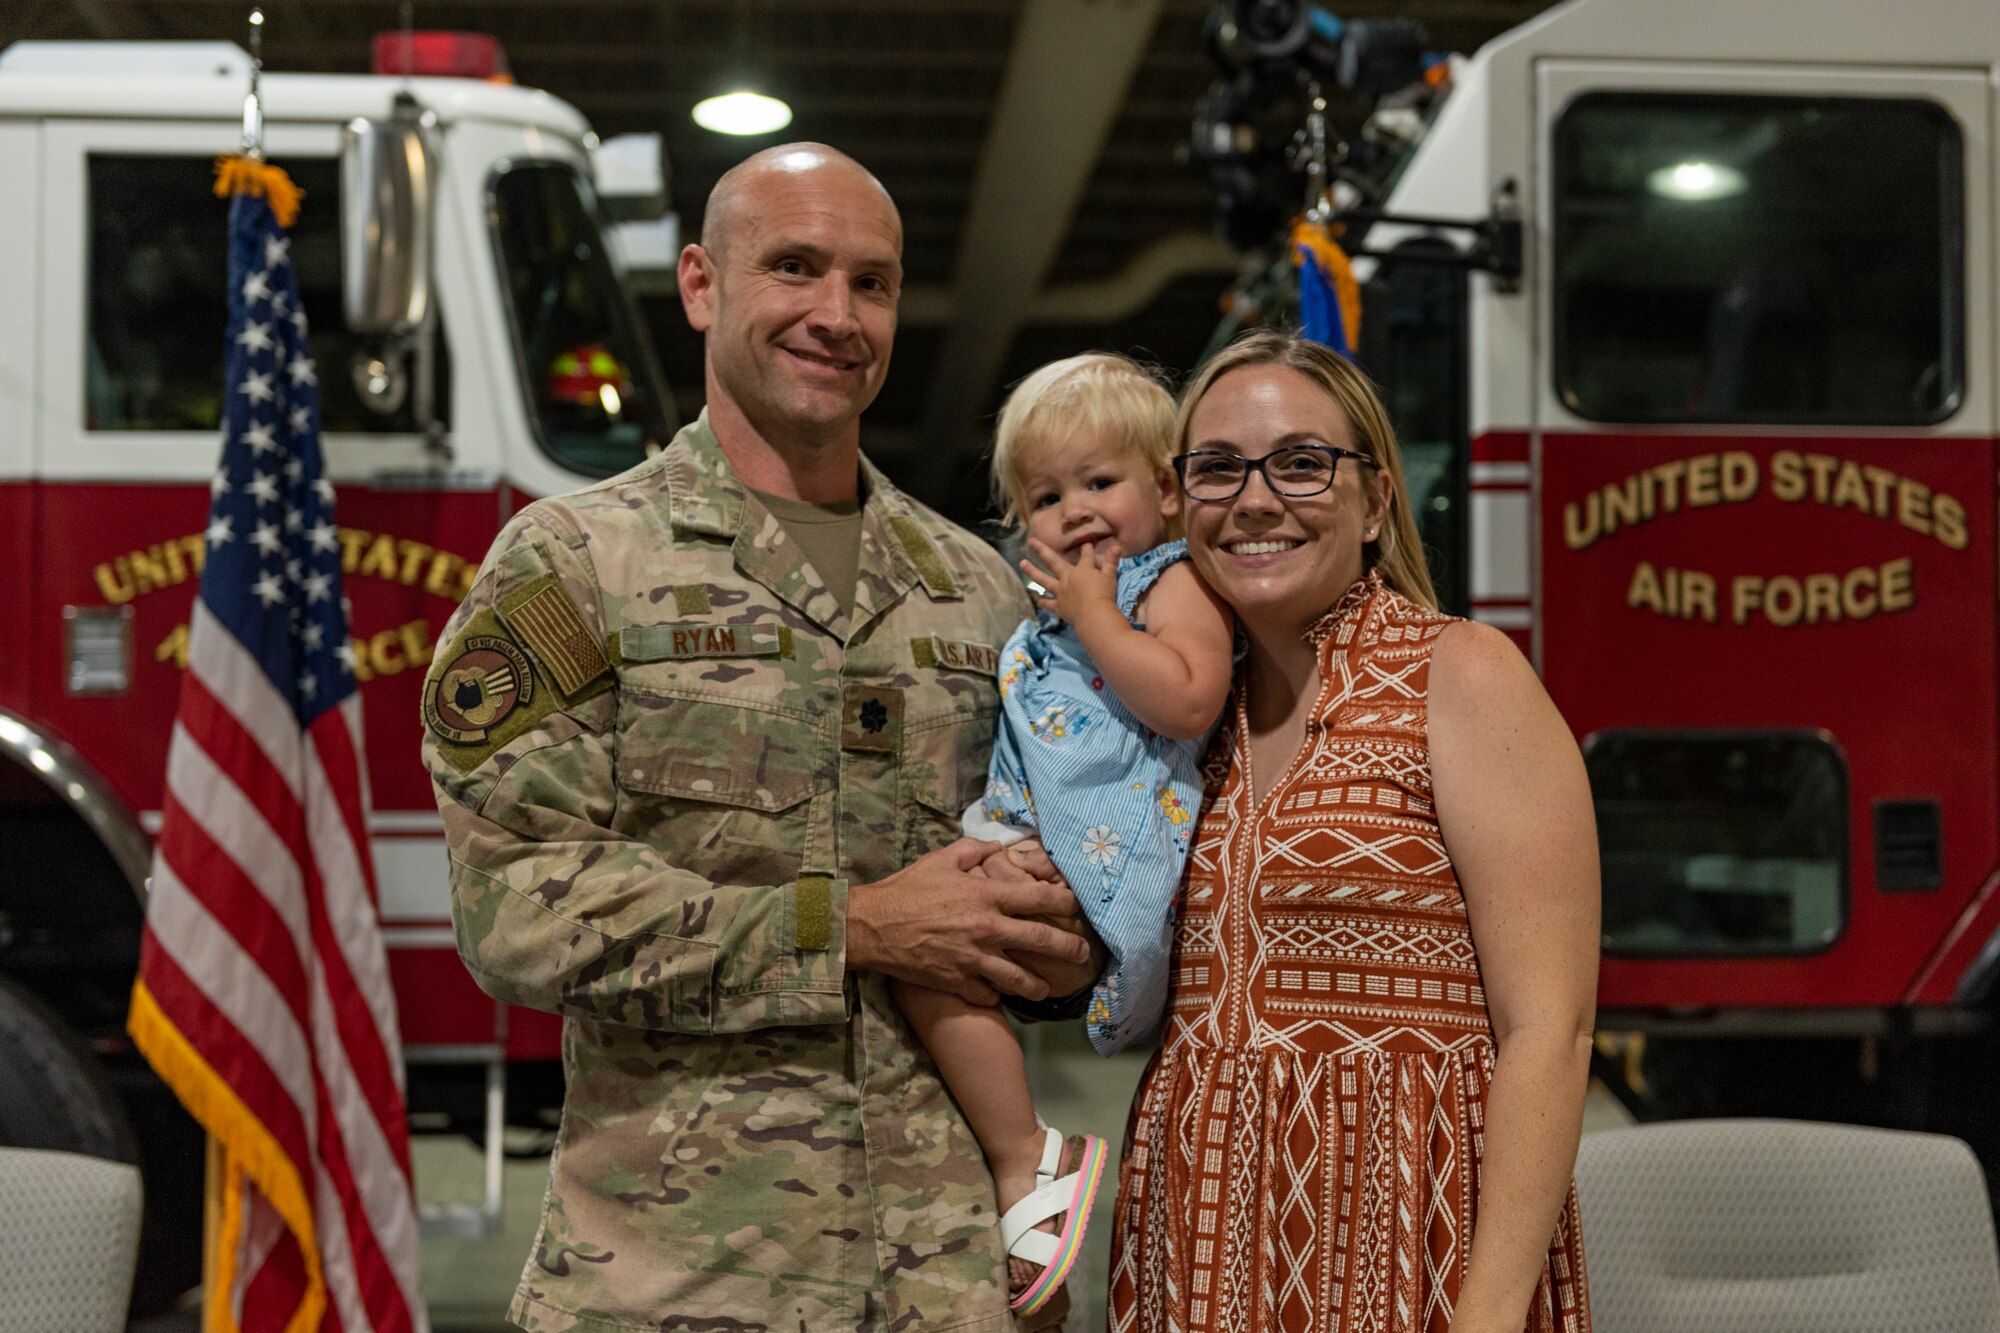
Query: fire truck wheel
[(52, 1092)]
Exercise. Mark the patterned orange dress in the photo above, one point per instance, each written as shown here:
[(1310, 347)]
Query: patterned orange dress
[(1304, 1152)]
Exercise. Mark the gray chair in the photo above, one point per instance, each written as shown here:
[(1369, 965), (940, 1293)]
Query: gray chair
[(1715, 1226), (69, 1241)]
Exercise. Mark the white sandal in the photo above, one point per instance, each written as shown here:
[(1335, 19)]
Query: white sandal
[(1071, 1196)]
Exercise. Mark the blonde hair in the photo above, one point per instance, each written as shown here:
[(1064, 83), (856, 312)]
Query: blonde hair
[(1099, 394), (1398, 552)]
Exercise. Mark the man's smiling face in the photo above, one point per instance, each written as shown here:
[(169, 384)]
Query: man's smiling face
[(801, 313)]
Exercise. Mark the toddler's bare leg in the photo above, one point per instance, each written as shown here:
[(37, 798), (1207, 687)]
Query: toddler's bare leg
[(980, 1061)]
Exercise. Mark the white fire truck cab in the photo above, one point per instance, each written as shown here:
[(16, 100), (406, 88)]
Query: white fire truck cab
[(485, 352), (1719, 450)]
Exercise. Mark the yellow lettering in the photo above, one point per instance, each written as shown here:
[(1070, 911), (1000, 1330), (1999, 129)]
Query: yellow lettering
[(418, 646), (1821, 466), (1582, 521), (114, 580), (197, 551), (1848, 488), (362, 672), (414, 555), (1670, 475), (380, 559), (1645, 589), (1698, 595), (441, 581), (175, 565), (1880, 481), (1745, 592), (1702, 487), (1822, 598), (351, 542), (174, 648), (1788, 478), (1621, 505), (1948, 516), (1913, 506), (149, 570), (1739, 476), (1898, 585), (1783, 600), (384, 654), (1857, 593)]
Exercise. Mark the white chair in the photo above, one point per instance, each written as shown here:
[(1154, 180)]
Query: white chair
[(1784, 1226), (69, 1241)]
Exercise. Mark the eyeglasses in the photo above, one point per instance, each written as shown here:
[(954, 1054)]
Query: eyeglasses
[(1295, 472)]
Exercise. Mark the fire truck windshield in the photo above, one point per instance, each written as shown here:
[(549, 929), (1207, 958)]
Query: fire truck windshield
[(593, 390)]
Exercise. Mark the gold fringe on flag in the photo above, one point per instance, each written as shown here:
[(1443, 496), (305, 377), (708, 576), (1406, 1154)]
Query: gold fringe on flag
[(1323, 242), (250, 1154), (247, 175)]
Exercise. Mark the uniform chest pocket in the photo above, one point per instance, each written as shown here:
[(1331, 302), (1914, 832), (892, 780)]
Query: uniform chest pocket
[(724, 787), (943, 767)]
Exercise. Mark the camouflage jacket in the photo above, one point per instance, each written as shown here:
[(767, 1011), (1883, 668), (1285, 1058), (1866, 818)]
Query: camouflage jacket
[(662, 754)]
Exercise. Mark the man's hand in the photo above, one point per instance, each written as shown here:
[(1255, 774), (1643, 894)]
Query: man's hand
[(940, 925), (1080, 588), (1028, 859)]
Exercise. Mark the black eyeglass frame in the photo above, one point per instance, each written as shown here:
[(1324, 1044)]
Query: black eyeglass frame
[(1256, 465)]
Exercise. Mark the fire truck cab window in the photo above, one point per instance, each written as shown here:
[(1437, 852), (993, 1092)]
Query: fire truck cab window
[(593, 390), (1413, 342), (1758, 259), (1720, 843), (159, 260)]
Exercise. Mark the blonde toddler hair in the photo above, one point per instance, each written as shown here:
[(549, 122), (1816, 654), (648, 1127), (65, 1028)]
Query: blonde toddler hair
[(1098, 394)]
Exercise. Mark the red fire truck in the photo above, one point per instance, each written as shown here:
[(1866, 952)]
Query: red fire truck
[(1686, 313), (484, 352)]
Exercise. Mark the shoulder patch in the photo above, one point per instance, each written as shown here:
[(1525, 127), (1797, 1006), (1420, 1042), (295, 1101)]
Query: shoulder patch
[(481, 693), (544, 618)]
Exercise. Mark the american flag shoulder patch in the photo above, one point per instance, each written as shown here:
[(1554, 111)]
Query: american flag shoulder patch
[(547, 623)]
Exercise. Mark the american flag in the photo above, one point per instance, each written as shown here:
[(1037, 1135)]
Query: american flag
[(263, 995)]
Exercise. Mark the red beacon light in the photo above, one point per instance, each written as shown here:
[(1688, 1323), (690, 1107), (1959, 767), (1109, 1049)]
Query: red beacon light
[(449, 55)]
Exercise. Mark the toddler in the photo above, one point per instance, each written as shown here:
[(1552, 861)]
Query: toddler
[(1107, 698)]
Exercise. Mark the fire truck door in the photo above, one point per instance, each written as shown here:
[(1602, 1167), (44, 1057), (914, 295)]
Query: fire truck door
[(1764, 445)]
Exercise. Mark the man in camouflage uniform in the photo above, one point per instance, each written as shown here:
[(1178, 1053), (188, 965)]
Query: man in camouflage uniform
[(702, 798)]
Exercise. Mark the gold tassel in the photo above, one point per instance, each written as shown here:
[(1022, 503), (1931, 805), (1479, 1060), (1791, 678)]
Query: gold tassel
[(246, 175)]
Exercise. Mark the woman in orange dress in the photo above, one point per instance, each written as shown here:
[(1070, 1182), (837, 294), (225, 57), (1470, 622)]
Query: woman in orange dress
[(1365, 1109)]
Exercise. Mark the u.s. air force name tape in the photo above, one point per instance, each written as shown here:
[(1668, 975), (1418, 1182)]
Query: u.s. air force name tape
[(667, 643)]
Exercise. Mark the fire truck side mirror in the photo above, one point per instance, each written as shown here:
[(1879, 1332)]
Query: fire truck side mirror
[(388, 183)]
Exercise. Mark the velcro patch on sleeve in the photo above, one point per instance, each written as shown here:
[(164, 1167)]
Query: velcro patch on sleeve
[(950, 655), (543, 618), (812, 913), (671, 643), (481, 693), (691, 599)]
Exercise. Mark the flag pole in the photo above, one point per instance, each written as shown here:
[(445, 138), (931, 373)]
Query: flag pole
[(216, 1168)]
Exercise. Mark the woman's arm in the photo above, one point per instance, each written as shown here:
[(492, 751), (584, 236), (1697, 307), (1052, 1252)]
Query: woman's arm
[(1514, 808), (1174, 674)]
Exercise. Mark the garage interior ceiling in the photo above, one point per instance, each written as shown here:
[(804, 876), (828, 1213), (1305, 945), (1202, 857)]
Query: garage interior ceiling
[(1022, 244)]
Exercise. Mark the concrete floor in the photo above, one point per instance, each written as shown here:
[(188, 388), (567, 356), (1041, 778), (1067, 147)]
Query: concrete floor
[(467, 1283)]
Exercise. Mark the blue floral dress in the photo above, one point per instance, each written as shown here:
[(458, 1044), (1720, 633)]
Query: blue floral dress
[(1113, 802)]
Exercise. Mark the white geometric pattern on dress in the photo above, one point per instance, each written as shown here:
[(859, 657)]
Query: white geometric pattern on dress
[(1306, 1145)]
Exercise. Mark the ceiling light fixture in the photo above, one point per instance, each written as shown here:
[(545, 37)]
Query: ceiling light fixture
[(1696, 181), (742, 112)]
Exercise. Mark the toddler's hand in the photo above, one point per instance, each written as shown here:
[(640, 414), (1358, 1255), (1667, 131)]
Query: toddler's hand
[(1075, 588)]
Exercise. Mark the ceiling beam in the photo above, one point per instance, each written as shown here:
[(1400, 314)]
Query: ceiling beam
[(1071, 65)]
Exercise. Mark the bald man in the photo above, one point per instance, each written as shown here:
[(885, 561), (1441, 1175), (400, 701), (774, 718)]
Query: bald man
[(701, 735)]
